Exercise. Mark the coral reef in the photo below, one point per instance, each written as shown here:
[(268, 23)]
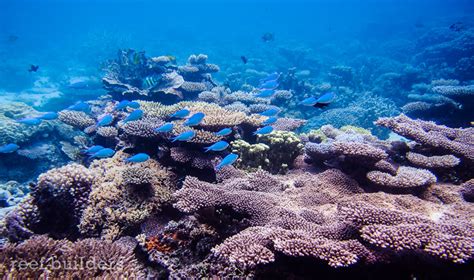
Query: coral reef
[(275, 152), (41, 257)]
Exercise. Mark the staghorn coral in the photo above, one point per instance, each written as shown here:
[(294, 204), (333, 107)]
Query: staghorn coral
[(117, 203), (144, 128), (193, 158), (288, 124), (77, 119), (107, 132), (62, 259), (405, 178)]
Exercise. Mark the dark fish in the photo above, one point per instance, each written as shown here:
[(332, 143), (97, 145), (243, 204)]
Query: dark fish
[(244, 59), (33, 68), (457, 26), (267, 37), (12, 38)]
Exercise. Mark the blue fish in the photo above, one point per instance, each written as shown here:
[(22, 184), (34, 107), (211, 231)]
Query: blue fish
[(93, 149), (324, 100), (265, 93), (185, 136), (80, 106), (122, 105), (105, 121), (103, 153), (141, 157), (167, 127), (269, 85), (310, 101), (224, 132), (218, 146), (181, 114), (133, 116), (194, 119), (270, 112), (134, 104), (49, 116), (9, 148), (264, 130), (271, 77), (30, 121), (270, 120), (228, 160)]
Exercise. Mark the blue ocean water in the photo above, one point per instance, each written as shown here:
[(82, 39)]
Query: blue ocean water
[(87, 84)]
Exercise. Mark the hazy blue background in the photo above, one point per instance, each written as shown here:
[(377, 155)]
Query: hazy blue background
[(68, 38)]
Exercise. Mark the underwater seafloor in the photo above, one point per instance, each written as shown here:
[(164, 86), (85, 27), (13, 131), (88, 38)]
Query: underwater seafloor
[(285, 164)]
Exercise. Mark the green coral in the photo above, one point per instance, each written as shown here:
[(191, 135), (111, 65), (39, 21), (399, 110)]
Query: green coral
[(315, 135), (275, 153)]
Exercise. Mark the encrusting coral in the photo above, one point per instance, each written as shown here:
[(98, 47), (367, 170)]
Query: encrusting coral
[(123, 196)]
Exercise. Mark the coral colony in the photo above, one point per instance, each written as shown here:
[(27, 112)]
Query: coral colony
[(173, 174)]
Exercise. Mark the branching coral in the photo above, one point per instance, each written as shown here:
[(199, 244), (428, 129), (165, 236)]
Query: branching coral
[(43, 257), (76, 118), (275, 152)]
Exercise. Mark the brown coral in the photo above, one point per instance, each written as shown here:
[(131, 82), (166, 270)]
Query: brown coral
[(117, 203)]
